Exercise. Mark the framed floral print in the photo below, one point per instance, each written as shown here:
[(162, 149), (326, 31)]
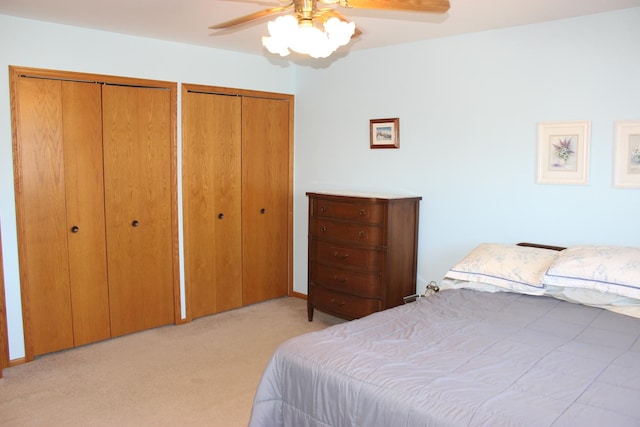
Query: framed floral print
[(626, 156), (384, 133), (563, 152)]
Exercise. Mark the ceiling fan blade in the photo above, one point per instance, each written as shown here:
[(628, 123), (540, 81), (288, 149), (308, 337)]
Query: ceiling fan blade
[(432, 6), (250, 17), (325, 14)]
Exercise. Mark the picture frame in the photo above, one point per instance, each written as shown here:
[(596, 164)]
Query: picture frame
[(626, 156), (384, 133), (563, 152)]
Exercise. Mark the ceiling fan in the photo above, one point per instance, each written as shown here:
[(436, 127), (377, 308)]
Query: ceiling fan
[(299, 31)]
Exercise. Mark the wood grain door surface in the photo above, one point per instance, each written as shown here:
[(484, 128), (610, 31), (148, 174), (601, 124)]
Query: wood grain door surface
[(59, 186), (137, 165), (85, 212), (212, 202), (265, 193), (237, 193), (94, 167)]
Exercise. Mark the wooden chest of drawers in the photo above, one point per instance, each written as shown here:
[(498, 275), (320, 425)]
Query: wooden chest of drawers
[(362, 252)]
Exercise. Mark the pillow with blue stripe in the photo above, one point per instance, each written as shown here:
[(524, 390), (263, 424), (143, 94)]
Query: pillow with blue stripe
[(509, 267), (607, 269)]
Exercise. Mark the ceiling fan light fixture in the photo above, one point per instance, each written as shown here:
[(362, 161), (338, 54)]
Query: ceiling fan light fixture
[(287, 33), (339, 31)]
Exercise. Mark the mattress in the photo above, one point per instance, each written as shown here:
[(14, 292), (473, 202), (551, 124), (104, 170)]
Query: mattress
[(460, 358)]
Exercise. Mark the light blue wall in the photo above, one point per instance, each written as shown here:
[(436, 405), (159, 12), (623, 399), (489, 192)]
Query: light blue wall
[(42, 45), (468, 108)]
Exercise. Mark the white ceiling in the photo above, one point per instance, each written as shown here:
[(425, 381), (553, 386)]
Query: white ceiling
[(187, 21)]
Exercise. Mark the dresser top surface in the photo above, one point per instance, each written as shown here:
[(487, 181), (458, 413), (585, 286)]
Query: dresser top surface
[(363, 194)]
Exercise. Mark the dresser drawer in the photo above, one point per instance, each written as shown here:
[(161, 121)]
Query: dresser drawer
[(346, 256), (347, 231), (344, 305), (372, 213), (351, 282)]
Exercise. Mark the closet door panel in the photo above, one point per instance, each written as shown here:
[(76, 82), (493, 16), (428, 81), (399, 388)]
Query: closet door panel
[(265, 189), (212, 202), (137, 167), (121, 209), (40, 190), (82, 123), (154, 130)]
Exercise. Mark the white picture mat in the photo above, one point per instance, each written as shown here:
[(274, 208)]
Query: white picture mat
[(626, 158), (563, 152)]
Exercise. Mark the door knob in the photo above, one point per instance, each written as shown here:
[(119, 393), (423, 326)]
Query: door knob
[(75, 229), (263, 210), (220, 215), (135, 223)]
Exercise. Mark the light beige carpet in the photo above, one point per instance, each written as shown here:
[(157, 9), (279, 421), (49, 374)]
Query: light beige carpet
[(203, 373)]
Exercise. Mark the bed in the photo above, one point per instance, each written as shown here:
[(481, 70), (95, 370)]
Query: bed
[(518, 335)]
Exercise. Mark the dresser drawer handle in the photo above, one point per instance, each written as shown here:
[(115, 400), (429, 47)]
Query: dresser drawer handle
[(323, 228), (363, 212), (340, 304), (323, 209), (341, 280), (362, 234), (339, 255)]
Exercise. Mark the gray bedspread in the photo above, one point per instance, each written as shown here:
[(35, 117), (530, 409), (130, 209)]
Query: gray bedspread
[(460, 358)]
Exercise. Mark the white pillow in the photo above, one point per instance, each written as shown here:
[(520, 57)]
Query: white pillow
[(509, 267), (448, 283), (611, 302), (608, 269)]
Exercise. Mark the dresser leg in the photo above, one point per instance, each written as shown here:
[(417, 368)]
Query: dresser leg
[(310, 311)]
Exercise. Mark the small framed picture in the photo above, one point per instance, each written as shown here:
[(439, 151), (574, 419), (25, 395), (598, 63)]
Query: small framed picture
[(563, 152), (384, 133), (626, 156)]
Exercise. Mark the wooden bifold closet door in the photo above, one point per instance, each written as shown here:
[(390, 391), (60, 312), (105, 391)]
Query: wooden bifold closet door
[(138, 207), (61, 213), (212, 202), (237, 197), (265, 202), (95, 201)]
